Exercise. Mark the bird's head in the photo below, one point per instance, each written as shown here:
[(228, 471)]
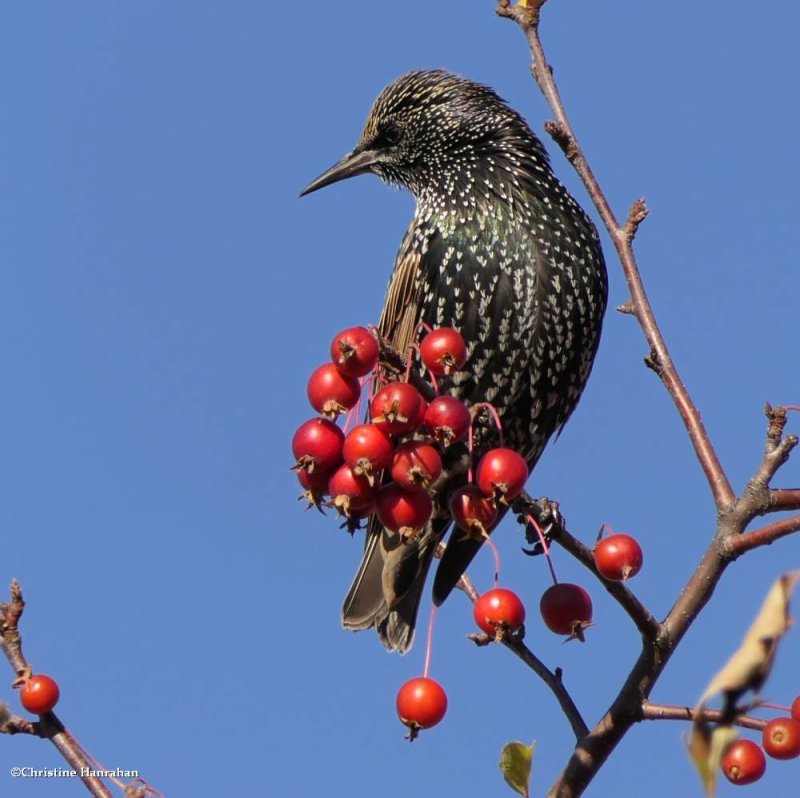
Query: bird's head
[(432, 132)]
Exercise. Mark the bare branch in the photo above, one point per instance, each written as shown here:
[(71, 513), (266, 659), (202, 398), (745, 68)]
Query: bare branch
[(664, 712), (14, 724), (622, 235), (763, 536), (49, 726), (782, 499), (553, 679), (776, 454)]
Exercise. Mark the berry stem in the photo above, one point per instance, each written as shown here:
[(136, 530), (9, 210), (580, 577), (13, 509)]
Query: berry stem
[(777, 707), (606, 527), (470, 447), (532, 521), (430, 642), (496, 554), (356, 411)]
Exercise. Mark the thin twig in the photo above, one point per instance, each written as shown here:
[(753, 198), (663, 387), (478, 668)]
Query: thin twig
[(622, 236), (49, 726), (784, 499), (763, 536), (776, 454), (652, 711), (553, 679), (733, 513)]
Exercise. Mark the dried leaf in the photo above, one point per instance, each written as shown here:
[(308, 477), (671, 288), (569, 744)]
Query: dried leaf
[(706, 749), (750, 665), (516, 762)]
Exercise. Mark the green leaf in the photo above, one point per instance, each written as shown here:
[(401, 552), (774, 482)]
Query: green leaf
[(516, 761)]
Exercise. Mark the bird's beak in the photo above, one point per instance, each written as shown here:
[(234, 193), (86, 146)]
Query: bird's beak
[(354, 163)]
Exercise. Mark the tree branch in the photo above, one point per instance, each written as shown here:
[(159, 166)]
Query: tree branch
[(553, 679), (762, 537), (664, 712), (733, 513), (782, 499), (49, 726), (622, 236)]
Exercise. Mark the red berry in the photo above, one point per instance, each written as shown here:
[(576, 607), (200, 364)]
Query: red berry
[(499, 611), (744, 762), (566, 609), (421, 703), (416, 465), (502, 473), (349, 491), (443, 351), (317, 446), (330, 392), (397, 408), (472, 512), (796, 708), (39, 694), (354, 351), (618, 557), (315, 486), (782, 738), (367, 449), (447, 419), (403, 511)]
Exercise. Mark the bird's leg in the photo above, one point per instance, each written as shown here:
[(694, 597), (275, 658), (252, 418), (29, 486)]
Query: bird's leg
[(547, 515)]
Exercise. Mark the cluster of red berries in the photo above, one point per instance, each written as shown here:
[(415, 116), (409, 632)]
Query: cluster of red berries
[(39, 694), (744, 761), (566, 609), (389, 466), (403, 438)]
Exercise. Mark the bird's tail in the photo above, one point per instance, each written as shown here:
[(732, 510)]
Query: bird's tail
[(387, 587)]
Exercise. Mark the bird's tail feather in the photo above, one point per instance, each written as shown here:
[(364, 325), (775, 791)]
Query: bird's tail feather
[(364, 602)]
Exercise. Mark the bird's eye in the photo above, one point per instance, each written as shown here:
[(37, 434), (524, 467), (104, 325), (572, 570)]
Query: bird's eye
[(391, 134)]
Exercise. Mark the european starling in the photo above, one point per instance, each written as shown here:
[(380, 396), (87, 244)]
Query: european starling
[(499, 250)]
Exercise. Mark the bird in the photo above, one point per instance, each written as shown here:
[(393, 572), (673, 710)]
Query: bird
[(499, 250)]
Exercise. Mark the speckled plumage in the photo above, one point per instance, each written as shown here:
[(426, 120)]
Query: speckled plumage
[(501, 251)]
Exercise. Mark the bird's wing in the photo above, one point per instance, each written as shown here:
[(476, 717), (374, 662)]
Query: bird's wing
[(401, 308)]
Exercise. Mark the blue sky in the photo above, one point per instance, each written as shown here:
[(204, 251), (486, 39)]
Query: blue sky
[(165, 295)]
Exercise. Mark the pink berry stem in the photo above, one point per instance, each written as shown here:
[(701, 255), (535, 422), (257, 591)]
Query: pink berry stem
[(546, 548), (355, 412), (778, 707), (422, 326), (496, 554), (469, 454), (430, 642)]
